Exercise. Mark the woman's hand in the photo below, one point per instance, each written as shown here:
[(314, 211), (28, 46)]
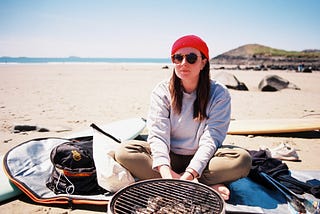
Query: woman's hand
[(190, 175), (168, 173)]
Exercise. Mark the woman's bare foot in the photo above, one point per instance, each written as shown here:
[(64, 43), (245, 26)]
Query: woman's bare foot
[(223, 190)]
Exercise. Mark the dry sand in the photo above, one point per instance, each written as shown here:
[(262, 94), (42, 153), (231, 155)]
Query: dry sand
[(72, 96)]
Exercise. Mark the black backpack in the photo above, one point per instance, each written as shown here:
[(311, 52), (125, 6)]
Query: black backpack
[(74, 171)]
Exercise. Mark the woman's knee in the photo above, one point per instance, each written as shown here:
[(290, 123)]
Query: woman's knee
[(126, 151), (121, 154), (244, 162), (132, 151), (240, 158), (135, 156)]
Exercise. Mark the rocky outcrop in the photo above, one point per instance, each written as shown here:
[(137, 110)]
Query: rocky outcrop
[(275, 83), (230, 81)]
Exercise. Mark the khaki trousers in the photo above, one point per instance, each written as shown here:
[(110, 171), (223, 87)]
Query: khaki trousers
[(228, 164)]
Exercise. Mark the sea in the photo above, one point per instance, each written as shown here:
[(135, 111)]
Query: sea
[(4, 60)]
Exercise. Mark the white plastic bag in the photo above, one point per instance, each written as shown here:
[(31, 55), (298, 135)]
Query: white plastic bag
[(110, 174)]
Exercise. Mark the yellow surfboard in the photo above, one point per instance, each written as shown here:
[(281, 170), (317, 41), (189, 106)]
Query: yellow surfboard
[(273, 126)]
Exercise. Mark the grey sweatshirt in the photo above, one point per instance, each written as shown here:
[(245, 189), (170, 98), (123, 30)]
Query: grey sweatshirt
[(181, 134)]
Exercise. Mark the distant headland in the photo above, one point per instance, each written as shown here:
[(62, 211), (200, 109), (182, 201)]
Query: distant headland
[(258, 57)]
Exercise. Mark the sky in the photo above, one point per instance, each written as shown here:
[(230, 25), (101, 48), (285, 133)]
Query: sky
[(148, 28)]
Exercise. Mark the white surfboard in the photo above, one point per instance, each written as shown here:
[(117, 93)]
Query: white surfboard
[(7, 189), (126, 129), (123, 130)]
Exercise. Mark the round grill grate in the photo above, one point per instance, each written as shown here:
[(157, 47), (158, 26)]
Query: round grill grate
[(166, 196)]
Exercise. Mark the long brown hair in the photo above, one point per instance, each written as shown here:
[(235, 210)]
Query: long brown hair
[(203, 93)]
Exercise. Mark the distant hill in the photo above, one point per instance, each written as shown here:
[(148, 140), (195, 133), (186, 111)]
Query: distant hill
[(259, 55)]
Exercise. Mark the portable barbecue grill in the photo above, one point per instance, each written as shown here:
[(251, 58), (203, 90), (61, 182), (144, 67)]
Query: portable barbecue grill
[(166, 196)]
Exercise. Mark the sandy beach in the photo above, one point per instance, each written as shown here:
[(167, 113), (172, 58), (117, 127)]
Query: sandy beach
[(64, 97)]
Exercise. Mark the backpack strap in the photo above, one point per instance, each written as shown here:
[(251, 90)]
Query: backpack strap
[(75, 174)]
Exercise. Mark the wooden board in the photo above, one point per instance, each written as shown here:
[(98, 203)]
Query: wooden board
[(273, 126)]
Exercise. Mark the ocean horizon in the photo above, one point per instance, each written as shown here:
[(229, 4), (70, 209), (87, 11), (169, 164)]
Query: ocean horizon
[(5, 60)]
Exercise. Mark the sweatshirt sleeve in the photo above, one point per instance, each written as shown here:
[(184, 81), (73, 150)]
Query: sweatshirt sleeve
[(215, 128), (158, 124)]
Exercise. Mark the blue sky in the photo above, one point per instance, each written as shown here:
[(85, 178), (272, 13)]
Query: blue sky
[(147, 28)]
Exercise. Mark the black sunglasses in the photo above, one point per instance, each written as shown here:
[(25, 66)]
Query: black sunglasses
[(191, 58)]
